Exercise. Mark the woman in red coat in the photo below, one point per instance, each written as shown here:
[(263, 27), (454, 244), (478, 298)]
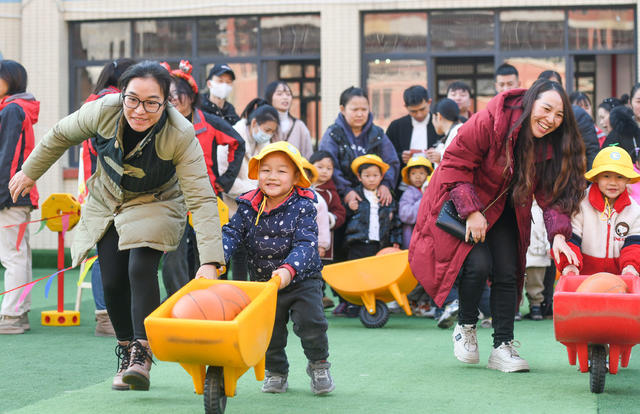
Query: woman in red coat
[(524, 144)]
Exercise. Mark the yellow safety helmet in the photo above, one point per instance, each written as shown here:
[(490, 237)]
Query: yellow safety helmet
[(369, 159), (613, 159), (416, 160), (281, 146)]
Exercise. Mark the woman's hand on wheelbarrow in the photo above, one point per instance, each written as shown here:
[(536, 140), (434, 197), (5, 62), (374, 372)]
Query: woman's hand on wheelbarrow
[(207, 271), (285, 276), (560, 246)]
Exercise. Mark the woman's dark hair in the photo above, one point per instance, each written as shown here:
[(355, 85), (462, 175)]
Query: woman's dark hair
[(350, 93), (635, 89), (448, 109), (624, 131), (271, 89), (147, 69), (562, 176), (320, 155), (261, 111), (551, 75), (577, 98), (625, 99), (111, 73), (185, 90), (609, 103), (15, 75)]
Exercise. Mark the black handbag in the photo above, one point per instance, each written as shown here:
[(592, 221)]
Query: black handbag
[(450, 221)]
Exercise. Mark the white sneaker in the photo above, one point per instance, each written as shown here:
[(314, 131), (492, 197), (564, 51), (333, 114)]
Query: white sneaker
[(465, 344), (505, 358), (448, 317)]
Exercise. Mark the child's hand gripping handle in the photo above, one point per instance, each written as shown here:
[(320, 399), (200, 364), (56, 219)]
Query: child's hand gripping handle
[(283, 276)]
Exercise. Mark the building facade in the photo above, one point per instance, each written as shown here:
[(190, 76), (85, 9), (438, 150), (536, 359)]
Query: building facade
[(320, 48)]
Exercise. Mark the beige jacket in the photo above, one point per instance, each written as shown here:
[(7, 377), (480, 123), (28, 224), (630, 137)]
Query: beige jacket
[(154, 219)]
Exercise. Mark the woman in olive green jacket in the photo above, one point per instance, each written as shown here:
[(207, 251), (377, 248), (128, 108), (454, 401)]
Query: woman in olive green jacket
[(150, 165)]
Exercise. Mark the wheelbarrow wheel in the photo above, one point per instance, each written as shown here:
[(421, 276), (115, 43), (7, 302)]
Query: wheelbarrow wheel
[(378, 319), (598, 369), (215, 400)]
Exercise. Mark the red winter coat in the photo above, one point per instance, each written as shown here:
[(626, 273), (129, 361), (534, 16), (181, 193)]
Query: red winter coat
[(471, 174)]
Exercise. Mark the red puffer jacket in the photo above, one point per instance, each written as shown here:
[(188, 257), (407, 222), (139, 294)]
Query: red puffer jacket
[(472, 174)]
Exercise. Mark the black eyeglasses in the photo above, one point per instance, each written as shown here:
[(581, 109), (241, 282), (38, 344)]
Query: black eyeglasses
[(132, 102)]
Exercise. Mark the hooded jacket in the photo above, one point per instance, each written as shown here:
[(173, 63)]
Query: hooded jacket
[(357, 230), (286, 236), (339, 141), (18, 114), (143, 193), (472, 173)]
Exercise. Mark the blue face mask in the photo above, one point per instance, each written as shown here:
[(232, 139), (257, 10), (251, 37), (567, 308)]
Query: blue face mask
[(261, 137)]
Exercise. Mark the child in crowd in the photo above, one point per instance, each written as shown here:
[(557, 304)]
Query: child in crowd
[(322, 218), (276, 223), (370, 226), (606, 229), (538, 260), (325, 186), (415, 174)]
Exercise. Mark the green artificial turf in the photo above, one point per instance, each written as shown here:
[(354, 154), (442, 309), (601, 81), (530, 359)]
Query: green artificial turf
[(405, 367)]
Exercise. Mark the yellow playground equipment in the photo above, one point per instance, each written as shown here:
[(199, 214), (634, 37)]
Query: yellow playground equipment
[(372, 282), (229, 348)]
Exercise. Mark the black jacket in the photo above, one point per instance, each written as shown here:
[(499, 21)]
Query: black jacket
[(588, 131), (624, 131), (228, 112), (400, 130), (358, 222)]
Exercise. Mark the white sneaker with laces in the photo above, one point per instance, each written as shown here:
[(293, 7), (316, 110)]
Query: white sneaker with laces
[(505, 358), (465, 344)]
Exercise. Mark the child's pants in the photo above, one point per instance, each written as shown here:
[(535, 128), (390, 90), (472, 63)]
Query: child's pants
[(359, 249), (302, 302), (534, 285)]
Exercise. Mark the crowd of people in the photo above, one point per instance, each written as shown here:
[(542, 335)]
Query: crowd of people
[(154, 147)]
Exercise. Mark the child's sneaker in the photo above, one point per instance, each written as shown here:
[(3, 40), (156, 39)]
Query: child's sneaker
[(505, 358), (321, 381), (340, 310), (327, 303), (465, 344), (274, 383), (352, 311), (449, 315), (535, 313)]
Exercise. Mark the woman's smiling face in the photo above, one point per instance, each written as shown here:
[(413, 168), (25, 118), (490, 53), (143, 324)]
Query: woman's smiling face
[(547, 113)]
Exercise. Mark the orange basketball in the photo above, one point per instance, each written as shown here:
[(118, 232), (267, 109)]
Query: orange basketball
[(388, 250), (233, 298), (199, 304), (603, 282)]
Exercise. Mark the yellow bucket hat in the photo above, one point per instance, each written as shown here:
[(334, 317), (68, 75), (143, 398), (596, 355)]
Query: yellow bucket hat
[(289, 150), (369, 159), (614, 159), (308, 166), (415, 161)]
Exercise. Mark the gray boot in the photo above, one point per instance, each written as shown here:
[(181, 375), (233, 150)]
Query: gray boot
[(137, 375)]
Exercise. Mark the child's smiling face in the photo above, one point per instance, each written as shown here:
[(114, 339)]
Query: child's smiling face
[(611, 184), (277, 175), (325, 170), (370, 177)]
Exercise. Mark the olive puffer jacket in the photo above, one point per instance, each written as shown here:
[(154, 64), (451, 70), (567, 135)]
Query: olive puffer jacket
[(165, 174)]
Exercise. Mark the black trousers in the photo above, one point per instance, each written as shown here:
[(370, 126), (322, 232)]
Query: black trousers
[(302, 302), (130, 281), (178, 266), (358, 250), (497, 259)]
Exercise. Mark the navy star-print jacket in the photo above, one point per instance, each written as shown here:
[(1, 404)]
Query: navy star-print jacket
[(288, 234)]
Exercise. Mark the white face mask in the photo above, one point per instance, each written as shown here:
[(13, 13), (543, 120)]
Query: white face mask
[(261, 137), (219, 89)]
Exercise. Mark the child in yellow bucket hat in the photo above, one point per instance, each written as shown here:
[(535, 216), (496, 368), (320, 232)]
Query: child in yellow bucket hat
[(415, 174), (606, 229), (276, 223)]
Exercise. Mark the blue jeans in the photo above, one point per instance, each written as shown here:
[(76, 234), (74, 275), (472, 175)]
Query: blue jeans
[(96, 286)]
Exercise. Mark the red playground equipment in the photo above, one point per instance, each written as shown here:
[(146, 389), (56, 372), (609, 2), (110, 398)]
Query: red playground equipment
[(589, 324)]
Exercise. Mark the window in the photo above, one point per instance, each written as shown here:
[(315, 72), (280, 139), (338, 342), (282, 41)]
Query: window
[(101, 41), (395, 32), (530, 68), (601, 29), (466, 30), (162, 38), (234, 36), (532, 30), (290, 35)]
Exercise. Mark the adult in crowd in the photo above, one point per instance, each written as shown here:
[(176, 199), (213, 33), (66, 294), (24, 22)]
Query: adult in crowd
[(446, 119), (353, 134), (294, 131), (460, 93), (506, 78), (604, 109), (18, 112), (414, 132), (634, 101), (149, 165), (106, 84), (220, 84), (258, 126), (180, 265), (588, 133), (551, 75), (525, 142)]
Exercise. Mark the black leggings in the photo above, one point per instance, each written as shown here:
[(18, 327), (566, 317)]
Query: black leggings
[(497, 259), (130, 281)]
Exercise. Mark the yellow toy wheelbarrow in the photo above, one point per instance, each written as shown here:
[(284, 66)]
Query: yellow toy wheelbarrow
[(228, 348), (372, 282)]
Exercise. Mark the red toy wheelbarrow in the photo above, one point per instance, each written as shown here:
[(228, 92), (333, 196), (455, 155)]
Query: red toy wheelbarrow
[(589, 323)]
